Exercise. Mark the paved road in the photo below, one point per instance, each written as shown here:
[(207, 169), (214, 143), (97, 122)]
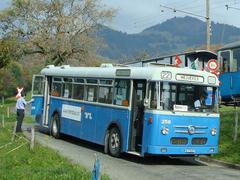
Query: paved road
[(132, 167)]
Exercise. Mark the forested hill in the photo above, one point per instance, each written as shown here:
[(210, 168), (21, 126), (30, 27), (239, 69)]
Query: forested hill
[(173, 35)]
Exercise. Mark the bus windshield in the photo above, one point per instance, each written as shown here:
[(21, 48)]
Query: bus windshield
[(182, 97)]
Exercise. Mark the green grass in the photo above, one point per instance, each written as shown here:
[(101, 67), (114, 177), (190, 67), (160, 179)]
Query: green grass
[(228, 150), (41, 163)]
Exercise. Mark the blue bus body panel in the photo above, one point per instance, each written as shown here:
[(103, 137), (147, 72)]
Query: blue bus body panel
[(37, 108), (154, 142), (94, 122), (230, 86)]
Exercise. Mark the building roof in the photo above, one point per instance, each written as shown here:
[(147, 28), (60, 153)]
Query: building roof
[(231, 45), (206, 53)]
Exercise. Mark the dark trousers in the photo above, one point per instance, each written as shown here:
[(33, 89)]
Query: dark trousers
[(20, 116)]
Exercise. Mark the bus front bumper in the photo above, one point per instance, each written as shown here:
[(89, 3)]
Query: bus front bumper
[(179, 150)]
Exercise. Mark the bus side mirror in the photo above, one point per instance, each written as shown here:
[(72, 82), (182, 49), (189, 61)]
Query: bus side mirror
[(146, 102)]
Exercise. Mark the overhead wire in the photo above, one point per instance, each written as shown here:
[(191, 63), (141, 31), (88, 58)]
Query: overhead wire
[(150, 19), (147, 21), (147, 17), (194, 7)]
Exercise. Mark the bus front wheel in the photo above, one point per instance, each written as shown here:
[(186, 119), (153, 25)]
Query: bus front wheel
[(55, 126), (114, 142)]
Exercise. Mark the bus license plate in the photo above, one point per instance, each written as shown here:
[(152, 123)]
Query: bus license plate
[(189, 151)]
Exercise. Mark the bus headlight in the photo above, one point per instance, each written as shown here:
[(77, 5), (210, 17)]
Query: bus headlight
[(165, 131), (213, 131)]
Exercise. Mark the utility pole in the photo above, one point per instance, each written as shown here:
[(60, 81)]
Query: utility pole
[(208, 22), (206, 17)]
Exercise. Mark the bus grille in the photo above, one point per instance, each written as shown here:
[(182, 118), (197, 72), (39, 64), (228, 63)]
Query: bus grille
[(199, 141), (190, 129), (179, 141)]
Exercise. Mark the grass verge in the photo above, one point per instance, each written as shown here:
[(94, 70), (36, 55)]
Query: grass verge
[(228, 150), (41, 163)]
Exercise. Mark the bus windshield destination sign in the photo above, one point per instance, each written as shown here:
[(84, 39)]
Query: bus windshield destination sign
[(189, 78)]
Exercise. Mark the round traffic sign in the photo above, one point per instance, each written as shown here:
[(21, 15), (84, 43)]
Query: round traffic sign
[(212, 65)]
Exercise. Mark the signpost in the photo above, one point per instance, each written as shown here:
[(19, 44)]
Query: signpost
[(213, 66)]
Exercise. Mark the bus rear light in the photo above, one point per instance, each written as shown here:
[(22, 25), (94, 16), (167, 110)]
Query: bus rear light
[(150, 120), (165, 131)]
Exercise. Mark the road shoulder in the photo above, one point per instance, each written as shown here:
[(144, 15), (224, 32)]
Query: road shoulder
[(208, 160)]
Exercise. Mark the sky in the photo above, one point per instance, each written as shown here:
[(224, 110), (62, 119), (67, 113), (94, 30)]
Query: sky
[(133, 16)]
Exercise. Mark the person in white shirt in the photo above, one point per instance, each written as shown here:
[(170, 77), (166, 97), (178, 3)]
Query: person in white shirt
[(20, 107), (198, 103)]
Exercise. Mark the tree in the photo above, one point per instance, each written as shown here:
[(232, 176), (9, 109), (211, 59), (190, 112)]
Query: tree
[(57, 30), (12, 76), (6, 55), (143, 55)]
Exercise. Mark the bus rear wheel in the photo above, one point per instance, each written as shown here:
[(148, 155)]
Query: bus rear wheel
[(114, 142), (55, 126)]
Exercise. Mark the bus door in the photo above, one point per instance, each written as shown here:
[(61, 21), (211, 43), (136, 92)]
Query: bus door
[(46, 101), (38, 86), (138, 94)]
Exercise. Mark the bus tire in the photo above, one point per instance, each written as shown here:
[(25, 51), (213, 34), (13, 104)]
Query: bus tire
[(55, 126), (114, 142)]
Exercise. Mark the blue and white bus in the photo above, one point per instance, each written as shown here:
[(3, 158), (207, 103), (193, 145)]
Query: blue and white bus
[(137, 110), (229, 60)]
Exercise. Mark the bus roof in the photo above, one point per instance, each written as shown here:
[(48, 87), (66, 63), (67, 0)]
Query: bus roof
[(230, 45), (152, 73), (206, 53)]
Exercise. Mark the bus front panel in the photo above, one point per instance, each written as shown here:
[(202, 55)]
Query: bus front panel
[(180, 134)]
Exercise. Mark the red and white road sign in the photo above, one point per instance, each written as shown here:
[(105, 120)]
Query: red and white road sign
[(212, 65)]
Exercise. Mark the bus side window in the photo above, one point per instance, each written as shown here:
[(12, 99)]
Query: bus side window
[(91, 93), (236, 59), (121, 93), (225, 61), (67, 90), (56, 89), (105, 95), (226, 67), (78, 91), (38, 85), (153, 96)]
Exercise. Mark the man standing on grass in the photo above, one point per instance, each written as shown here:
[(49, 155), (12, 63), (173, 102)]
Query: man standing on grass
[(20, 107)]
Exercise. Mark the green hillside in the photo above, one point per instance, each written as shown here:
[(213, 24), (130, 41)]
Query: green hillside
[(171, 36)]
